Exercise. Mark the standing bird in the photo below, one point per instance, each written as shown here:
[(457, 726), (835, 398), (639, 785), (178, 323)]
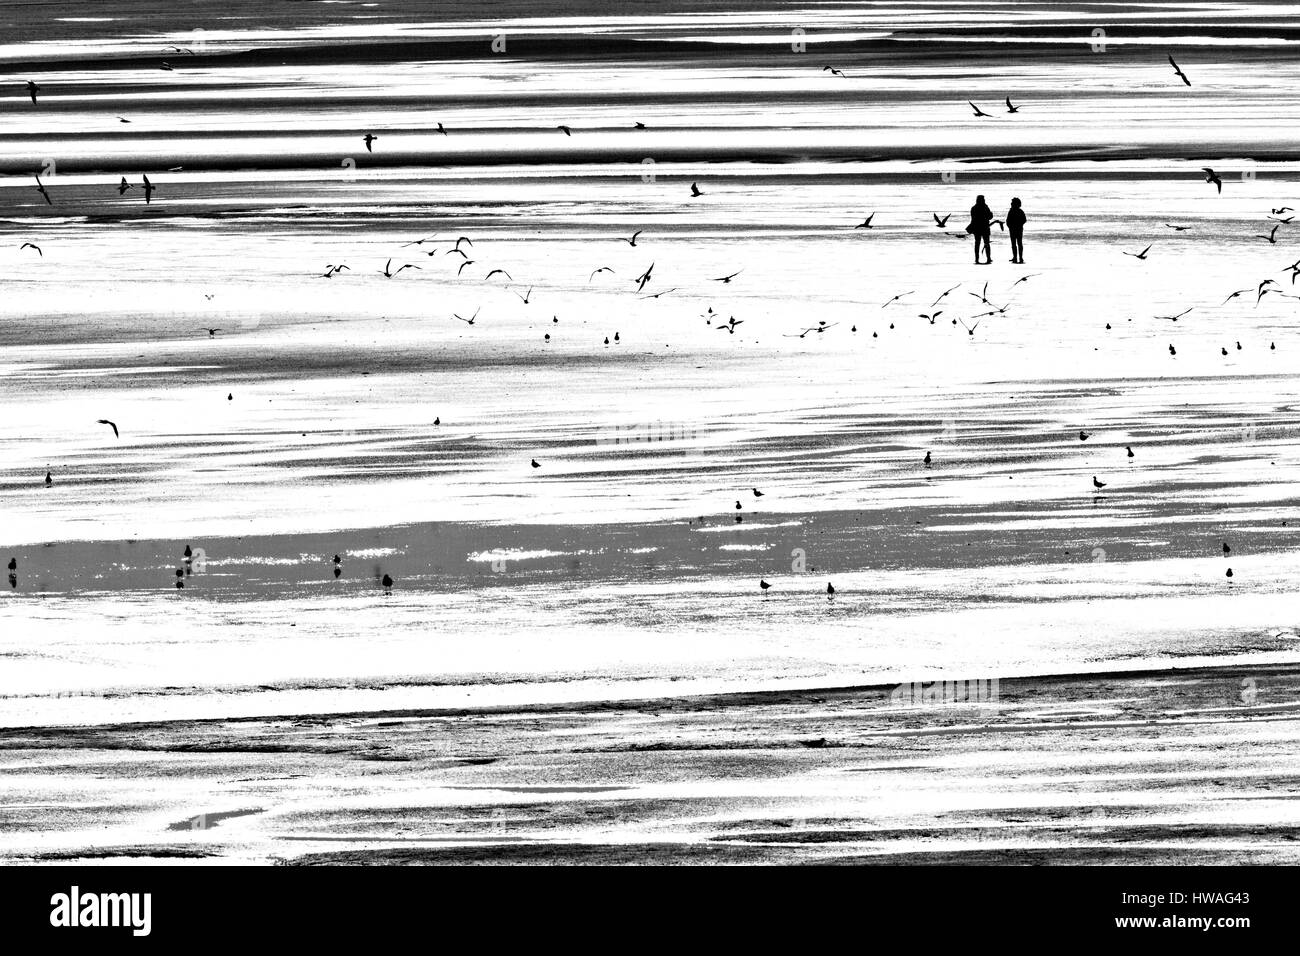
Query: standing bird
[(13, 564), (1129, 449), (1212, 177), (1083, 435), (764, 585), (757, 493), (368, 139), (1098, 484), (927, 459), (387, 582), (1179, 72), (105, 421), (49, 479), (534, 463), (830, 589)]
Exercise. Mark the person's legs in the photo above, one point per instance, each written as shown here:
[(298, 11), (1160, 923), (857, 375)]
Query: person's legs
[(1017, 247), (977, 248), (988, 254)]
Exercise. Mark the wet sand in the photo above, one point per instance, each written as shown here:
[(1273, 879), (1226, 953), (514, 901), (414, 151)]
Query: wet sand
[(1181, 766)]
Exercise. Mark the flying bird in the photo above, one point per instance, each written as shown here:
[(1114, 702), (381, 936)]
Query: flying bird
[(212, 333), (368, 139), (598, 271), (467, 262), (470, 320), (632, 241), (695, 191), (833, 71), (896, 298), (123, 186), (502, 271), (387, 272), (32, 90), (105, 421), (1175, 318), (1212, 177), (1177, 228), (525, 297), (1139, 255), (1179, 72), (1271, 238), (642, 279), (941, 222), (32, 245), (148, 188), (41, 189), (727, 279), (866, 223), (565, 130), (1010, 108), (978, 111)]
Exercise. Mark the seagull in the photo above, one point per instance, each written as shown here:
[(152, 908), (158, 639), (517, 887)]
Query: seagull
[(1129, 449), (330, 270), (368, 139), (1098, 484), (1271, 238), (982, 295), (632, 241), (978, 111), (1260, 292), (1237, 293), (442, 130), (833, 71), (944, 294), (1010, 108), (757, 493), (1140, 255), (41, 189), (148, 188), (941, 222), (1226, 548), (419, 242), (49, 479), (727, 279), (32, 89), (502, 271), (970, 329), (642, 279), (1025, 279), (565, 130), (1083, 435), (600, 270), (105, 421), (123, 186), (1172, 350), (387, 274), (866, 223), (830, 589), (764, 585), (656, 295), (535, 465), (896, 298), (470, 320), (927, 459), (452, 252), (467, 262), (819, 327), (1177, 228), (1278, 212), (212, 333), (1175, 318), (1179, 72), (1210, 177), (387, 582), (695, 191), (730, 324), (460, 240), (32, 245), (930, 316), (524, 297)]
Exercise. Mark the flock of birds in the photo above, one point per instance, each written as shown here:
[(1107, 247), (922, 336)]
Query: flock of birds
[(435, 249)]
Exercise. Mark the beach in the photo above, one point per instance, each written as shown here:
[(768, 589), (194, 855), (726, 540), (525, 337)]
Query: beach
[(577, 495)]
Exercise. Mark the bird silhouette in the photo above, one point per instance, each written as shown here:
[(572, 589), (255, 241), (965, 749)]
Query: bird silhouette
[(830, 589), (565, 130), (1271, 238), (32, 245), (49, 479), (1010, 108), (388, 272), (1129, 449), (105, 421), (866, 223), (928, 462), (757, 493), (526, 296), (32, 89), (764, 585), (1179, 72), (368, 139), (833, 71), (941, 222), (632, 241), (1139, 255), (978, 111), (643, 278), (502, 272), (387, 582), (727, 279), (695, 191), (534, 463), (148, 188), (40, 188), (212, 333), (598, 271), (1083, 435), (1212, 177), (1098, 484), (123, 186), (1169, 225)]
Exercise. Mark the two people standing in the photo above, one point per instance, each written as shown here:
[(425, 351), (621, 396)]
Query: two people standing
[(981, 223)]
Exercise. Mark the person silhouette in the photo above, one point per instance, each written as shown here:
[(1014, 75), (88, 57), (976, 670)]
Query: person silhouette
[(981, 222), (1016, 226)]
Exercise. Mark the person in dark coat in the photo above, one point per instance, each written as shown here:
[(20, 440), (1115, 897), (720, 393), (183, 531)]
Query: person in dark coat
[(1016, 226), (981, 221)]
